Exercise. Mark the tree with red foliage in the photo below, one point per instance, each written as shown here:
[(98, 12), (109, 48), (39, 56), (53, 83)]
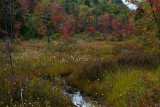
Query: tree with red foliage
[(118, 28), (155, 8), (91, 30), (151, 9), (131, 25), (57, 16), (112, 26), (3, 31), (147, 24), (106, 22), (66, 30)]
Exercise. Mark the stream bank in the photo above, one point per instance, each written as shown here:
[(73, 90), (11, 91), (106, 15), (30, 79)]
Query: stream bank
[(78, 97)]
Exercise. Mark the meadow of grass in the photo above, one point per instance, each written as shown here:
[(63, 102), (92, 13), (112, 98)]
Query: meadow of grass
[(115, 73)]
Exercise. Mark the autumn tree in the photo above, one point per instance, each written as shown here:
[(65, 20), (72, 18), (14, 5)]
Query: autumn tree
[(147, 24), (66, 30)]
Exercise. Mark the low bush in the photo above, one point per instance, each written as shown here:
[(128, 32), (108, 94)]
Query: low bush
[(67, 48), (139, 60), (96, 70), (55, 36)]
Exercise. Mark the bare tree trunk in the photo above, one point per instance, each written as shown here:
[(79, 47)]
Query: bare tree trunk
[(96, 19), (11, 32), (77, 18), (126, 24), (111, 28), (48, 36), (159, 27), (126, 30), (66, 39), (22, 95), (10, 57)]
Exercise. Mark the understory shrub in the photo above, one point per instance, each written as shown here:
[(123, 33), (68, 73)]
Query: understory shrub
[(67, 48), (55, 36)]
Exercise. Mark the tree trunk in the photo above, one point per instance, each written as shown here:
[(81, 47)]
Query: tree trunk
[(159, 27), (10, 57), (11, 32), (77, 18), (126, 24), (155, 18), (126, 31), (48, 36), (96, 21)]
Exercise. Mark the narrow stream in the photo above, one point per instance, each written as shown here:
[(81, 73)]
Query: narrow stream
[(78, 98), (80, 101)]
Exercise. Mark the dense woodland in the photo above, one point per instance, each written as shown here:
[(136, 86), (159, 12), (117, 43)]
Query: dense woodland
[(66, 18), (36, 19), (50, 50)]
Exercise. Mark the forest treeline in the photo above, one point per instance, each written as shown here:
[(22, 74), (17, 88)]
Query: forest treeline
[(36, 18), (66, 18)]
